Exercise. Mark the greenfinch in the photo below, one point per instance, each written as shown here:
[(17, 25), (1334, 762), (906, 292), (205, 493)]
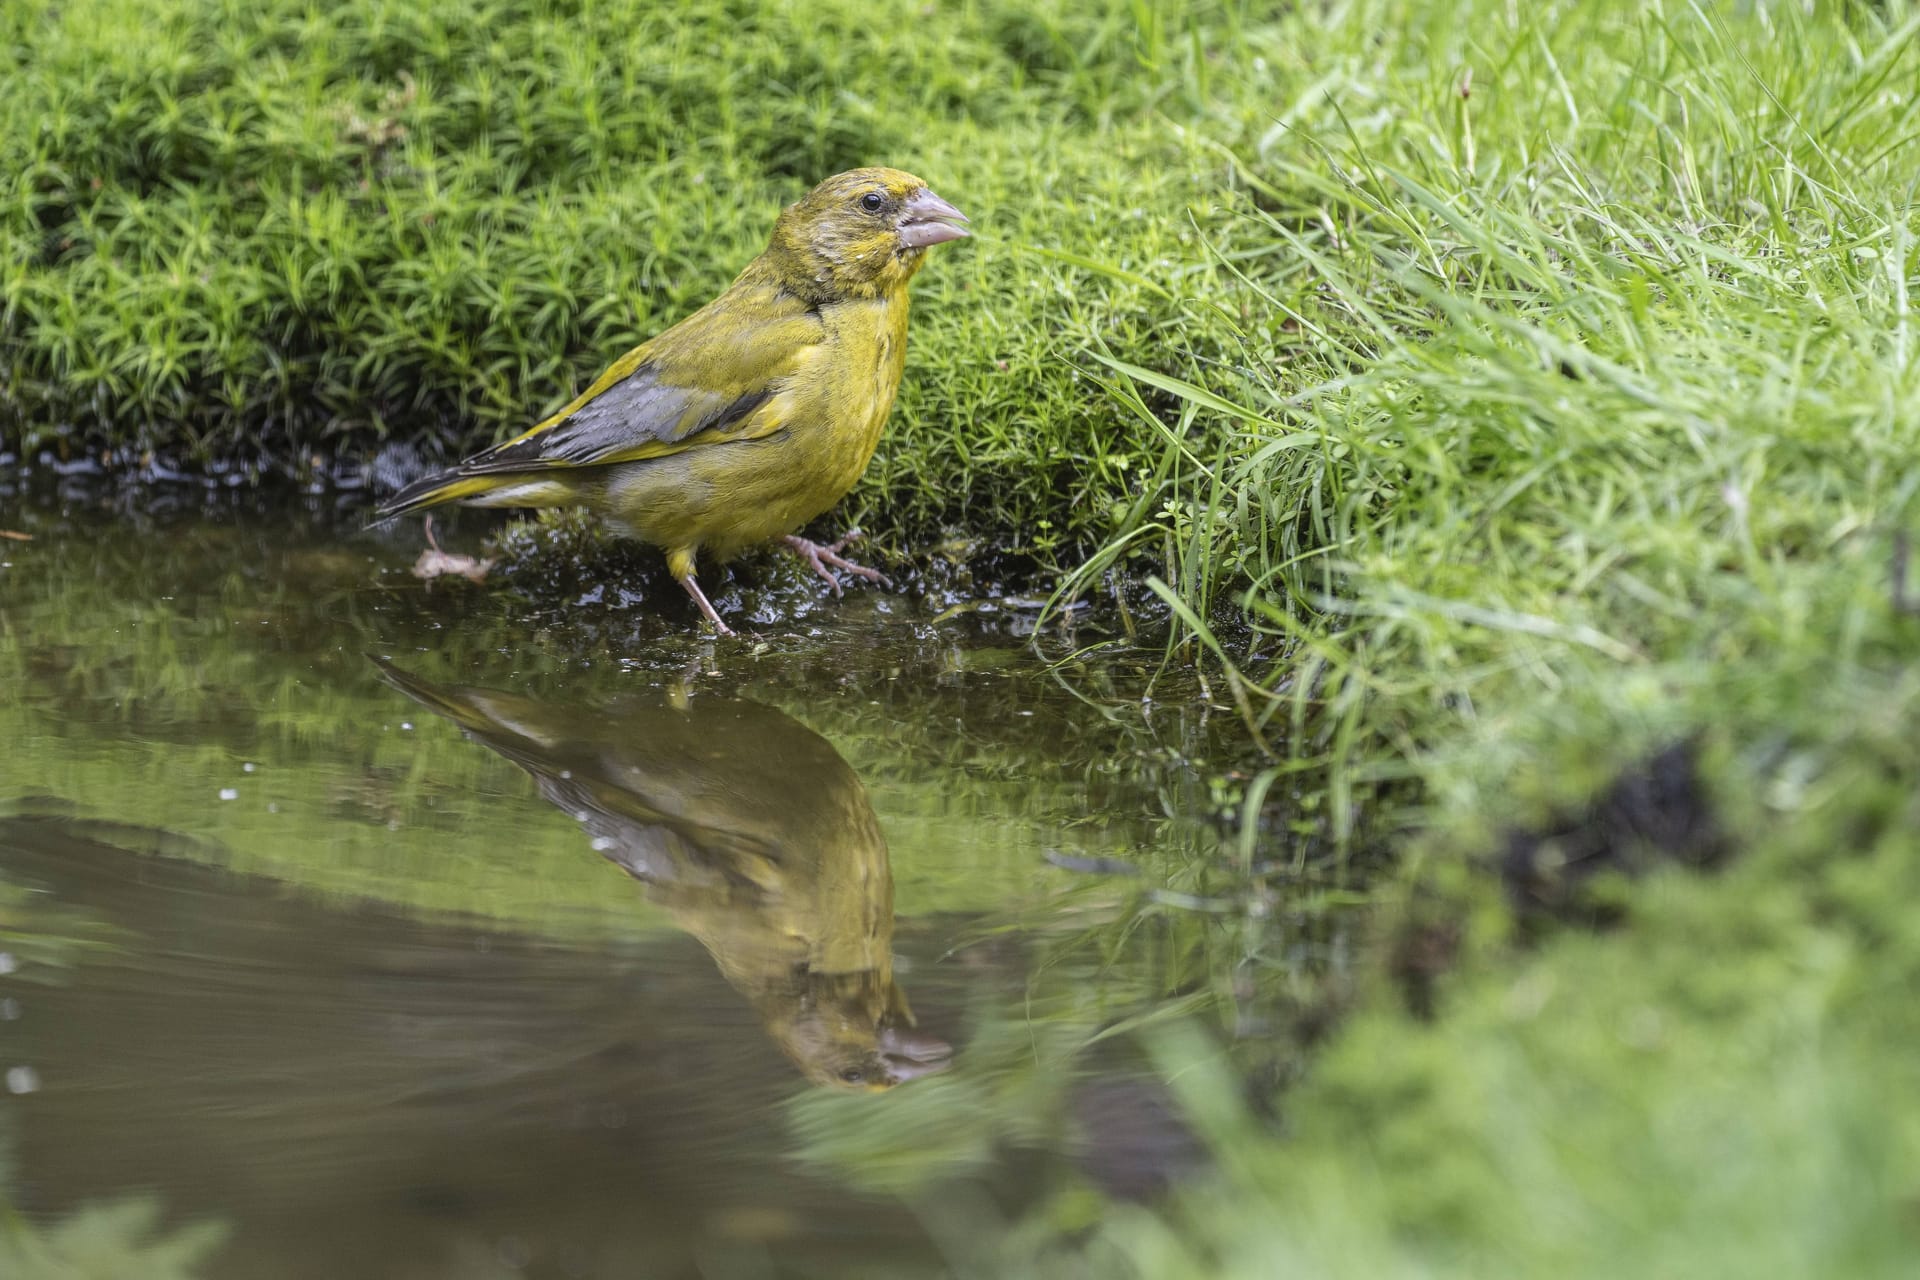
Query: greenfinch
[(753, 834), (754, 414)]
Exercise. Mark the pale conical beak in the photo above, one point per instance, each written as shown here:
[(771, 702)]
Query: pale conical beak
[(911, 1054), (926, 219)]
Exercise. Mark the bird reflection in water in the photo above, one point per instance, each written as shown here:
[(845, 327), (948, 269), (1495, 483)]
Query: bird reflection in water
[(753, 834)]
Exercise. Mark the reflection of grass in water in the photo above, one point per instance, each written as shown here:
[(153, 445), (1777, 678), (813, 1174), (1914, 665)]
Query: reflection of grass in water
[(44, 940), (1624, 1106), (156, 664), (122, 1240), (1005, 1092), (275, 745), (43, 937), (1720, 1085), (1105, 964)]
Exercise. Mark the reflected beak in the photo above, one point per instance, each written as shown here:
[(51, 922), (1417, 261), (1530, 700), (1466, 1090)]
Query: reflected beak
[(926, 219), (911, 1054)]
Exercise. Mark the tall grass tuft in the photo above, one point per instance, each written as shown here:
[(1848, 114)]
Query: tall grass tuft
[(1573, 351)]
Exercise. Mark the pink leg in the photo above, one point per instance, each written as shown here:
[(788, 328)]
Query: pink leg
[(706, 606), (820, 557)]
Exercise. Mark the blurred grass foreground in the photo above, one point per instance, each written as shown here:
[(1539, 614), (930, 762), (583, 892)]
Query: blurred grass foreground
[(1495, 395)]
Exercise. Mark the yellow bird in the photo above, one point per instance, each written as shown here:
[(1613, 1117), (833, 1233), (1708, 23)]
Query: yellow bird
[(754, 414)]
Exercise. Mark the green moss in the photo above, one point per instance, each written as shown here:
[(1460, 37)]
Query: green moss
[(280, 233)]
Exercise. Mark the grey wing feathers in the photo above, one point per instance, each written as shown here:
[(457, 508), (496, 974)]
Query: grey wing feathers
[(620, 420)]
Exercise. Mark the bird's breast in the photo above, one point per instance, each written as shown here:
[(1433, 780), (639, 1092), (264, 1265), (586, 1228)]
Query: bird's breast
[(863, 359)]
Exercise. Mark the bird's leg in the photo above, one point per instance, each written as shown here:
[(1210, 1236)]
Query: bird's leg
[(706, 606), (680, 565), (820, 556)]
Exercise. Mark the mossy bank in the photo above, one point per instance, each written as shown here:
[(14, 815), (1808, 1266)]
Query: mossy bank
[(295, 238)]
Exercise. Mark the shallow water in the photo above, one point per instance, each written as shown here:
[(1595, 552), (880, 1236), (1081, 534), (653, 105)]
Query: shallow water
[(439, 931)]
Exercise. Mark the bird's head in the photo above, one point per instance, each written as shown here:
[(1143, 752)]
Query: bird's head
[(860, 234), (853, 1032)]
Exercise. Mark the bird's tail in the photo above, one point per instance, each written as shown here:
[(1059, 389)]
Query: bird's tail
[(443, 486)]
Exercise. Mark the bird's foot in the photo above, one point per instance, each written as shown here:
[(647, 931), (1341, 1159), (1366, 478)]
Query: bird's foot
[(706, 606), (821, 556)]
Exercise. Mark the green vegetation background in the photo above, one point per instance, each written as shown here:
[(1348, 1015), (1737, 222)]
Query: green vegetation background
[(280, 232), (1492, 391)]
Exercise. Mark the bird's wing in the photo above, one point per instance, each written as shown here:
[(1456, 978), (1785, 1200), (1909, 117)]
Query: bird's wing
[(703, 381)]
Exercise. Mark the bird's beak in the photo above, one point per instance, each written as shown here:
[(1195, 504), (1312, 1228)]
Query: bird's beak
[(911, 1054), (926, 219)]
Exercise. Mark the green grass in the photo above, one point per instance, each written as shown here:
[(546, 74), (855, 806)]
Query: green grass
[(1603, 373), (1576, 412)]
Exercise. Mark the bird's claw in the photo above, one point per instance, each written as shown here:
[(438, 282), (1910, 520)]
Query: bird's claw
[(821, 556)]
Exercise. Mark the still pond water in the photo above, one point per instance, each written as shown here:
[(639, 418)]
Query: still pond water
[(413, 930)]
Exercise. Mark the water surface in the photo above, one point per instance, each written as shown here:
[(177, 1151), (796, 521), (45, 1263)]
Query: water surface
[(435, 931)]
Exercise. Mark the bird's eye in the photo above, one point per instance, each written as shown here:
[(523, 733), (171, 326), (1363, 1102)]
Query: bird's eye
[(872, 202), (853, 1075)]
